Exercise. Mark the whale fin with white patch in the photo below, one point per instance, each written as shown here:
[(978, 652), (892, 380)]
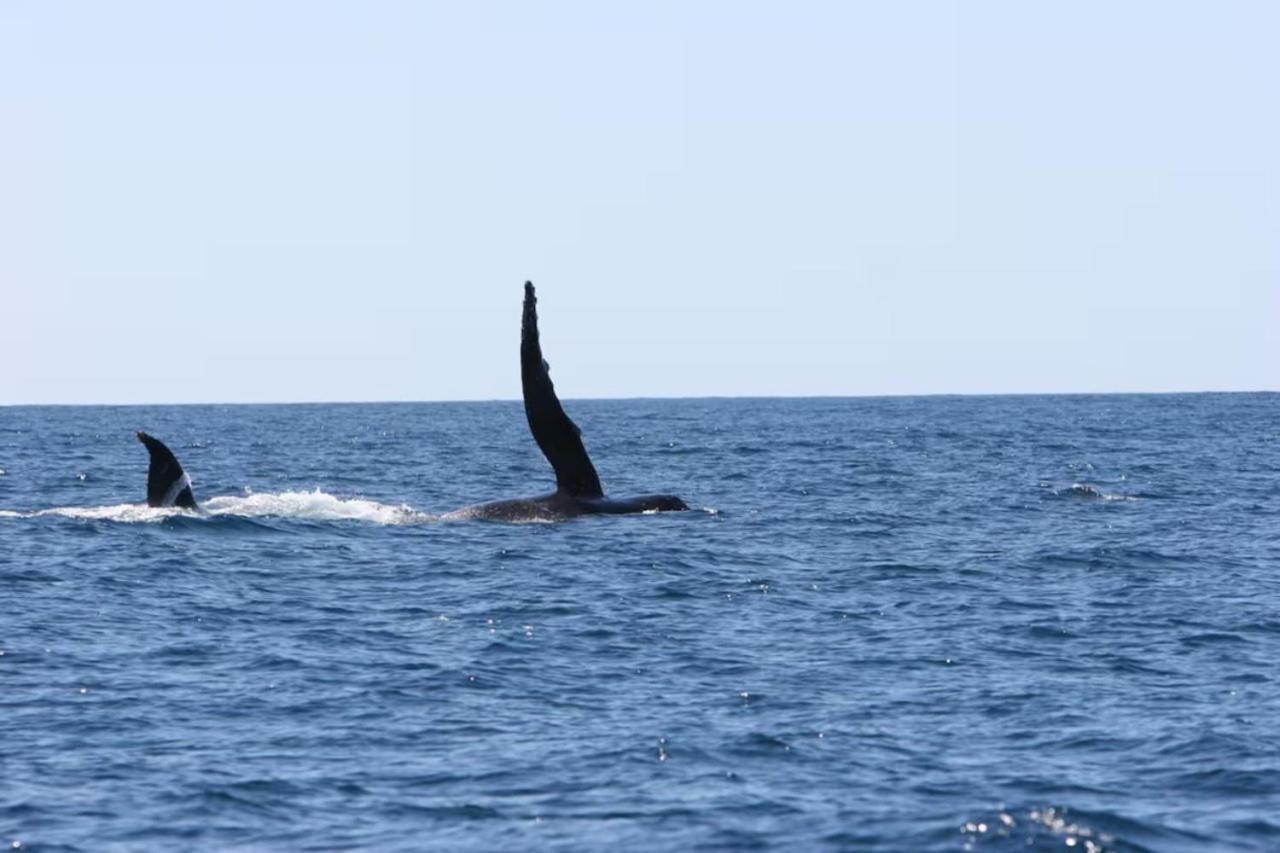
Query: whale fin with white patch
[(167, 483), (557, 435)]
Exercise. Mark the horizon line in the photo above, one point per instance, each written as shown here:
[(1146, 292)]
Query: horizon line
[(904, 395)]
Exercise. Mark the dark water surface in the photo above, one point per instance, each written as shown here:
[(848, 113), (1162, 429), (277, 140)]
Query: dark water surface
[(1010, 623)]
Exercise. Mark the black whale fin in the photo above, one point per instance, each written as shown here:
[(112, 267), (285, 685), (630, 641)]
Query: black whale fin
[(167, 483), (557, 436)]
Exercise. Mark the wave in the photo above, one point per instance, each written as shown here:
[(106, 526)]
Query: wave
[(1056, 828), (315, 505), (1087, 491)]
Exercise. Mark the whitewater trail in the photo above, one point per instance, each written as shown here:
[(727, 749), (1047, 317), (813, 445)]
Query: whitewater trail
[(314, 505)]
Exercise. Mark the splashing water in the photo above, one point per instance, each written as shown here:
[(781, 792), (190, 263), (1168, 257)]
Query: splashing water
[(315, 505)]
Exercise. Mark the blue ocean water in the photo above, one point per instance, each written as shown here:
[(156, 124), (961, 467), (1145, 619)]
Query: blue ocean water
[(1008, 623)]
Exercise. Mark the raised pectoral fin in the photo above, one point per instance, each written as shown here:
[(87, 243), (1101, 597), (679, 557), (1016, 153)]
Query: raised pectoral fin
[(558, 437)]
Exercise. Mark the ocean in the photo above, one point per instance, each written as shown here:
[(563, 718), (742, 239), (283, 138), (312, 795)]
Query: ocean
[(898, 624)]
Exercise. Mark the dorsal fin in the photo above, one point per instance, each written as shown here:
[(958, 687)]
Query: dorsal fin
[(557, 436), (167, 483)]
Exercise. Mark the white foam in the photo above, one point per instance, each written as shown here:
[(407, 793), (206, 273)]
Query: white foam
[(120, 512), (312, 506)]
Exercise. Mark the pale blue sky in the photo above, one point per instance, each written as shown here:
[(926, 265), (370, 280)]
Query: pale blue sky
[(243, 201)]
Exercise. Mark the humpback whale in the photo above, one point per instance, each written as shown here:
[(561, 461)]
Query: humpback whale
[(167, 483), (578, 490)]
